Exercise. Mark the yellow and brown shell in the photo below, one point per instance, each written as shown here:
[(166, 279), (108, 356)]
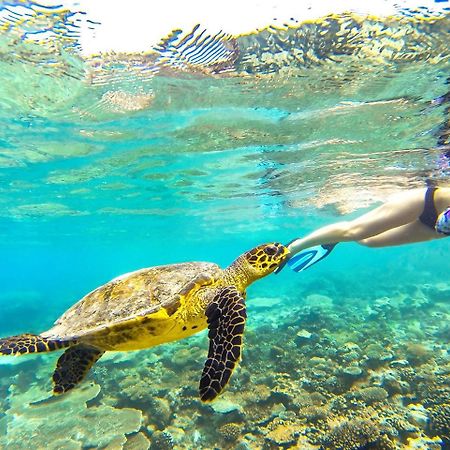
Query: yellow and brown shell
[(133, 295)]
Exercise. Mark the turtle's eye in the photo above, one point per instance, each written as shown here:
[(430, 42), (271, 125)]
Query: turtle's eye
[(272, 250)]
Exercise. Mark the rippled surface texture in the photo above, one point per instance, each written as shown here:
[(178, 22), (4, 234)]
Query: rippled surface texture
[(197, 150)]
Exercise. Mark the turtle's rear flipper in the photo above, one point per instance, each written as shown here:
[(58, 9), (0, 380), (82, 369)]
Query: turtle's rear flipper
[(31, 343), (73, 365), (226, 319)]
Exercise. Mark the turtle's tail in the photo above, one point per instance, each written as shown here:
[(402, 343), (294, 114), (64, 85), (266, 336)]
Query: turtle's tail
[(32, 343)]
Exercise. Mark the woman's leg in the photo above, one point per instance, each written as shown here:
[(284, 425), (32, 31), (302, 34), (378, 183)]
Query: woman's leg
[(399, 210), (405, 234)]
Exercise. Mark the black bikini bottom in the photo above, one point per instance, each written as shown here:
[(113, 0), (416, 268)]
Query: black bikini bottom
[(429, 214)]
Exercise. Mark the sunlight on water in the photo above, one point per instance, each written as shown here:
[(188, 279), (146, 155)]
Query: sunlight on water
[(198, 149)]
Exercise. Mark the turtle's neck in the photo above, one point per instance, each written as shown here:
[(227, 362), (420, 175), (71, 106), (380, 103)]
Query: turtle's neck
[(237, 274)]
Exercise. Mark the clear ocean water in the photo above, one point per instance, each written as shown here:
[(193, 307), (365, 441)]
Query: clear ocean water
[(198, 150)]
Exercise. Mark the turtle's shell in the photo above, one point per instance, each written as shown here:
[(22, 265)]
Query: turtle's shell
[(131, 295)]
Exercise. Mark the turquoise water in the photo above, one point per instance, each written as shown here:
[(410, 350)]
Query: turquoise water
[(115, 162)]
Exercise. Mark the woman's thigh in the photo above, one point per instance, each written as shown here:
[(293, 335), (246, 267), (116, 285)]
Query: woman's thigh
[(399, 210), (404, 234)]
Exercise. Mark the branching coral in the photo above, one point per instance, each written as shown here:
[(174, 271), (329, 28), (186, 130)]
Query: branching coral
[(440, 421), (282, 434), (370, 395), (353, 435), (314, 414), (384, 443), (230, 432), (417, 353), (162, 440)]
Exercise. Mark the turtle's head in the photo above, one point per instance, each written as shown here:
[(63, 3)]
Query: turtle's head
[(264, 259)]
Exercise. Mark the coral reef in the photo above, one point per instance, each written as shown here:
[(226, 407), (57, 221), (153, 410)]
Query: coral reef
[(308, 380), (230, 431), (282, 434), (138, 441), (370, 395), (36, 421), (162, 440), (352, 435), (440, 421)]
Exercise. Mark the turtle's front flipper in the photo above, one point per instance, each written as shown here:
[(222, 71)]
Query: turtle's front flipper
[(31, 343), (73, 365), (226, 320)]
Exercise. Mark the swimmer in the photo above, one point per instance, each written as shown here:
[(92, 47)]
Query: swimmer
[(415, 215)]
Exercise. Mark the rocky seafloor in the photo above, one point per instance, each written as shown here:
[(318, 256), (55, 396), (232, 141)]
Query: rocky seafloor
[(321, 373)]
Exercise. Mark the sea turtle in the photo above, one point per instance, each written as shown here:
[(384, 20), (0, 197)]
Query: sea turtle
[(151, 306)]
